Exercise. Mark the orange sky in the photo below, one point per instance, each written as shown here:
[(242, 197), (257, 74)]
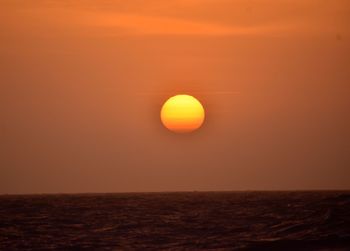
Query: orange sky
[(82, 84)]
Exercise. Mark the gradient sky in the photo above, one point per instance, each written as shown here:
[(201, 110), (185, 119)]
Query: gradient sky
[(82, 84)]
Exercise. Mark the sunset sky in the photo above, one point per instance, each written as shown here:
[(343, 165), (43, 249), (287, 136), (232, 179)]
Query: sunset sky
[(82, 84)]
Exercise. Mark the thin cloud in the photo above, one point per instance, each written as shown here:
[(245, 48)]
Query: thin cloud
[(193, 92), (116, 23), (139, 24)]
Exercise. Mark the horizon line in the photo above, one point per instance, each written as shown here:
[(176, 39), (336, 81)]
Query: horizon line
[(181, 191)]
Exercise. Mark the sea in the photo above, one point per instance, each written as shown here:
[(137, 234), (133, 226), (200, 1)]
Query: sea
[(312, 220)]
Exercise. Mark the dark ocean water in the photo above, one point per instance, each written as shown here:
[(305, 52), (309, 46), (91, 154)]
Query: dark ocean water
[(177, 221)]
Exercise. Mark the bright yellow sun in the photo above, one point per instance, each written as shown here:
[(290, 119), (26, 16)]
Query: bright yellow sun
[(182, 113)]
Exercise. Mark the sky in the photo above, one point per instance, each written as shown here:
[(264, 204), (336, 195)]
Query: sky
[(82, 84)]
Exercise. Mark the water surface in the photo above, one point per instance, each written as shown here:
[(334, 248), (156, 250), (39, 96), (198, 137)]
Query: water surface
[(177, 221)]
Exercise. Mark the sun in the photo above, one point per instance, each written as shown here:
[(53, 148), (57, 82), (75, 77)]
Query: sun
[(182, 113)]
